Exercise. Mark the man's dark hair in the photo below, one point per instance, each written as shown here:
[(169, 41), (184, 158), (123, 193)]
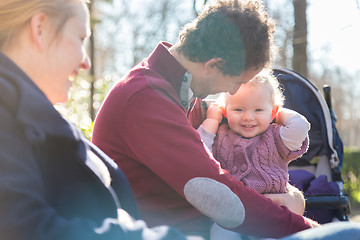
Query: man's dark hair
[(238, 32)]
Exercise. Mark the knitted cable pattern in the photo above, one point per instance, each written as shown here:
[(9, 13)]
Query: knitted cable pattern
[(260, 162)]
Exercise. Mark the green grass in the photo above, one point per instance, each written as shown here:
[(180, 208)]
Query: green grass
[(351, 174)]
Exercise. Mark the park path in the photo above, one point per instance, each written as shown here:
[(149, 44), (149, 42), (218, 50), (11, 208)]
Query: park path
[(355, 215)]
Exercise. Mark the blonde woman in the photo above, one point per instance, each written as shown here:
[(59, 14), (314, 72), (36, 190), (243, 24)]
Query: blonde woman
[(54, 184)]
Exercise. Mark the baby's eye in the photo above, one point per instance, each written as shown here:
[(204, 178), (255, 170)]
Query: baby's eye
[(258, 110), (238, 109)]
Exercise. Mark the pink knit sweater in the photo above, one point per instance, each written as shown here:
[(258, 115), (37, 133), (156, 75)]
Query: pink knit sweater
[(260, 162)]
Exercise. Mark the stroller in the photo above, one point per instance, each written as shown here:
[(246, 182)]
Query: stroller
[(318, 172)]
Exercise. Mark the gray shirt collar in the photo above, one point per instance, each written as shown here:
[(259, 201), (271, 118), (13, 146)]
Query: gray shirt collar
[(186, 94)]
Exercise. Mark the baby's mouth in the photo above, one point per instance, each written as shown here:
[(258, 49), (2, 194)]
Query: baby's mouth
[(248, 126)]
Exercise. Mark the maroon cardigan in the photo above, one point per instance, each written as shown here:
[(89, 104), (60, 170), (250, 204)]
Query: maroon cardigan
[(144, 128)]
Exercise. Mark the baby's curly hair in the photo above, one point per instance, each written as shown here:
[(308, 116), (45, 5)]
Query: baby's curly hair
[(238, 32), (267, 79), (264, 78)]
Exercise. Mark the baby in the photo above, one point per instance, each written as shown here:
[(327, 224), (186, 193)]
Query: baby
[(250, 146), (259, 138)]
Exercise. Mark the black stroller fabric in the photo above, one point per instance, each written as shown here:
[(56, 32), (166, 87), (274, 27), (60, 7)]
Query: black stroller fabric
[(324, 197), (315, 186), (300, 96)]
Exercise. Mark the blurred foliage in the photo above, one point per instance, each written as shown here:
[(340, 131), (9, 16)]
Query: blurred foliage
[(75, 110), (351, 174)]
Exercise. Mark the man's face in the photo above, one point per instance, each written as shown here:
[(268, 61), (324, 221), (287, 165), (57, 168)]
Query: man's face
[(218, 82)]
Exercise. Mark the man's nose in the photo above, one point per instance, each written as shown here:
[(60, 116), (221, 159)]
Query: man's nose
[(235, 89)]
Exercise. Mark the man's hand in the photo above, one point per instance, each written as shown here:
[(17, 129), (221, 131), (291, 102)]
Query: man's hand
[(294, 200), (313, 223)]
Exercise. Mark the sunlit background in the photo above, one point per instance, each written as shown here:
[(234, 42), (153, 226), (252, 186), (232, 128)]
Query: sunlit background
[(334, 38), (125, 32)]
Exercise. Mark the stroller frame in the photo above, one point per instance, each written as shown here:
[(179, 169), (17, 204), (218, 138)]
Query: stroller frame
[(339, 203)]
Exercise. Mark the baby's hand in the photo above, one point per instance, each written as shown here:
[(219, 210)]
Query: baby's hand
[(213, 118), (284, 114), (214, 112)]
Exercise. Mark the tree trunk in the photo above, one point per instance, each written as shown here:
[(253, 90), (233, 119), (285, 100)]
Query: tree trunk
[(299, 62), (92, 68)]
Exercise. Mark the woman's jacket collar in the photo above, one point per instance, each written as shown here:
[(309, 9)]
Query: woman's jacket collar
[(29, 105)]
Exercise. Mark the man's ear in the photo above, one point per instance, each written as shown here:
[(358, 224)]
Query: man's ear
[(213, 65), (38, 29)]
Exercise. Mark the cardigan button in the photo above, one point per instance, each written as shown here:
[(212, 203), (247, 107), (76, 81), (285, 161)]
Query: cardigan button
[(184, 79), (243, 167)]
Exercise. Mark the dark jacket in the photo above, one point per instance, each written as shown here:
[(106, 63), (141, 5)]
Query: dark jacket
[(53, 183)]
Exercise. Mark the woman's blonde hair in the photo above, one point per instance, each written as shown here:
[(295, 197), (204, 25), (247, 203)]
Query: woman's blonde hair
[(15, 14), (264, 78)]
